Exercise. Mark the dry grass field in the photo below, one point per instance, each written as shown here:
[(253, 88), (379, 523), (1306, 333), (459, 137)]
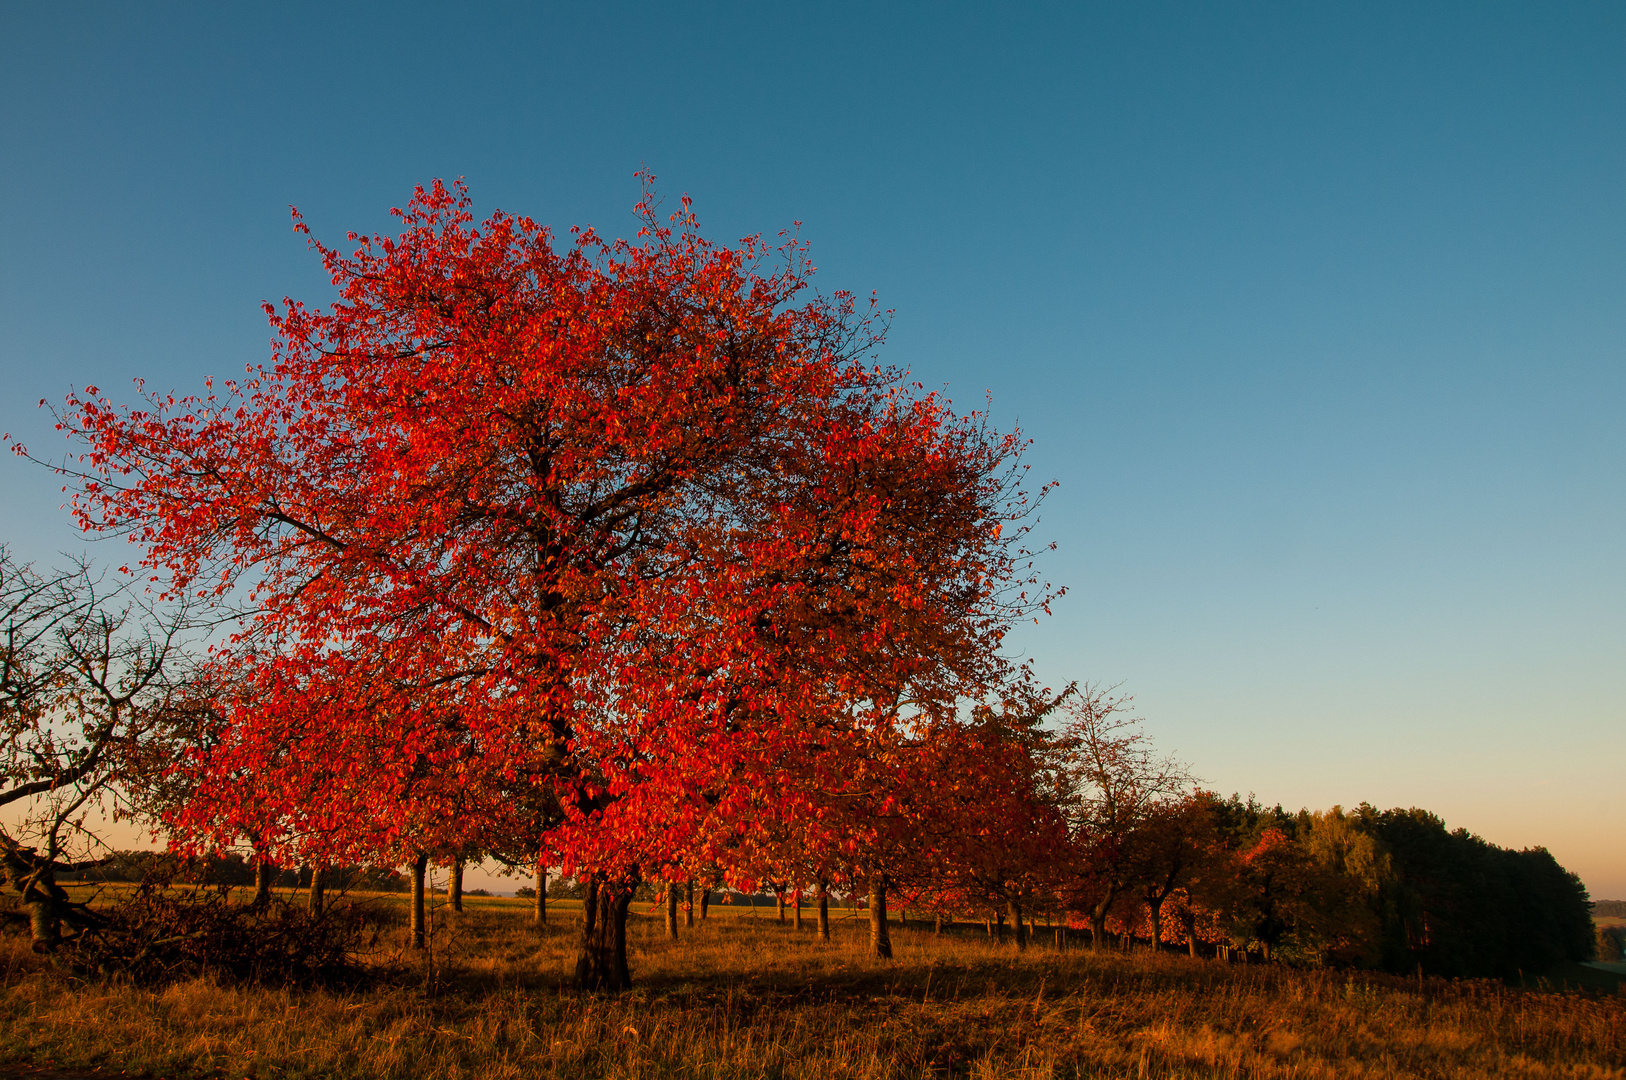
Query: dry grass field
[(744, 996)]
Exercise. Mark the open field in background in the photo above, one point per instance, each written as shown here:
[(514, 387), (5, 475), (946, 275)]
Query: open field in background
[(744, 997)]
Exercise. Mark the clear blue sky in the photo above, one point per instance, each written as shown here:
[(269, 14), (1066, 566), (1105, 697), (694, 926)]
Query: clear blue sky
[(1317, 312)]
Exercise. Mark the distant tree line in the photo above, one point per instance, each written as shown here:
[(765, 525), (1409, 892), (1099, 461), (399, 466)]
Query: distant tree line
[(1391, 889)]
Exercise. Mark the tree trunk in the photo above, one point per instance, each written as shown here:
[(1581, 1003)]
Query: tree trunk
[(1098, 931), (1157, 925), (988, 925), (880, 943), (264, 873), (44, 923), (541, 914), (671, 910), (705, 902), (45, 902), (937, 928), (796, 902), (999, 927), (420, 870), (318, 894), (454, 886), (602, 964), (688, 903), (824, 912), (779, 897), (1017, 925)]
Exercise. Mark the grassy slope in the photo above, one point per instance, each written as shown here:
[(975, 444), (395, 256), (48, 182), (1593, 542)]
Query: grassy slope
[(746, 997)]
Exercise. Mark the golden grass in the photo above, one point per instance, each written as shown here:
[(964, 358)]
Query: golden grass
[(743, 996)]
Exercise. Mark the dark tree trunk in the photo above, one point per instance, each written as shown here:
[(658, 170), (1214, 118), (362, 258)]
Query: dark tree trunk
[(420, 870), (602, 964), (1098, 931), (44, 923), (1157, 924), (318, 894), (779, 897), (988, 925), (999, 927), (688, 904), (937, 927), (705, 902), (48, 906), (880, 942), (46, 903), (454, 886), (1017, 925), (265, 872), (671, 910), (824, 912), (796, 907), (541, 914)]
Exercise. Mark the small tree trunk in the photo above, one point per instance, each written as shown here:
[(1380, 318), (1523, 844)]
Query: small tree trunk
[(318, 894), (1157, 924), (705, 902), (937, 927), (540, 916), (1098, 931), (688, 903), (988, 925), (602, 964), (1017, 925), (999, 927), (44, 923), (824, 912), (671, 910), (42, 898), (454, 886), (264, 873), (796, 902), (880, 942), (779, 897), (420, 870)]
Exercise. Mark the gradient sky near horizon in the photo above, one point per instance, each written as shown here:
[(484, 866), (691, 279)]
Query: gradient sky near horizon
[(1316, 312)]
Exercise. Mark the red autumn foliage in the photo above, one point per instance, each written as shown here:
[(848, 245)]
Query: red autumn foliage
[(605, 538)]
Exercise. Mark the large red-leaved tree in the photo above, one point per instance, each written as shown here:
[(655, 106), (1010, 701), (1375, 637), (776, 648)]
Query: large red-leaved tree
[(611, 527)]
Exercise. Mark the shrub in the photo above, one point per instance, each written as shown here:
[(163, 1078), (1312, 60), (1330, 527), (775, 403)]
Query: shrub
[(159, 935)]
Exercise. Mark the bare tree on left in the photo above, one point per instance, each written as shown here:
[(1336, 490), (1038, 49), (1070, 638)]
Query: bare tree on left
[(92, 700)]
